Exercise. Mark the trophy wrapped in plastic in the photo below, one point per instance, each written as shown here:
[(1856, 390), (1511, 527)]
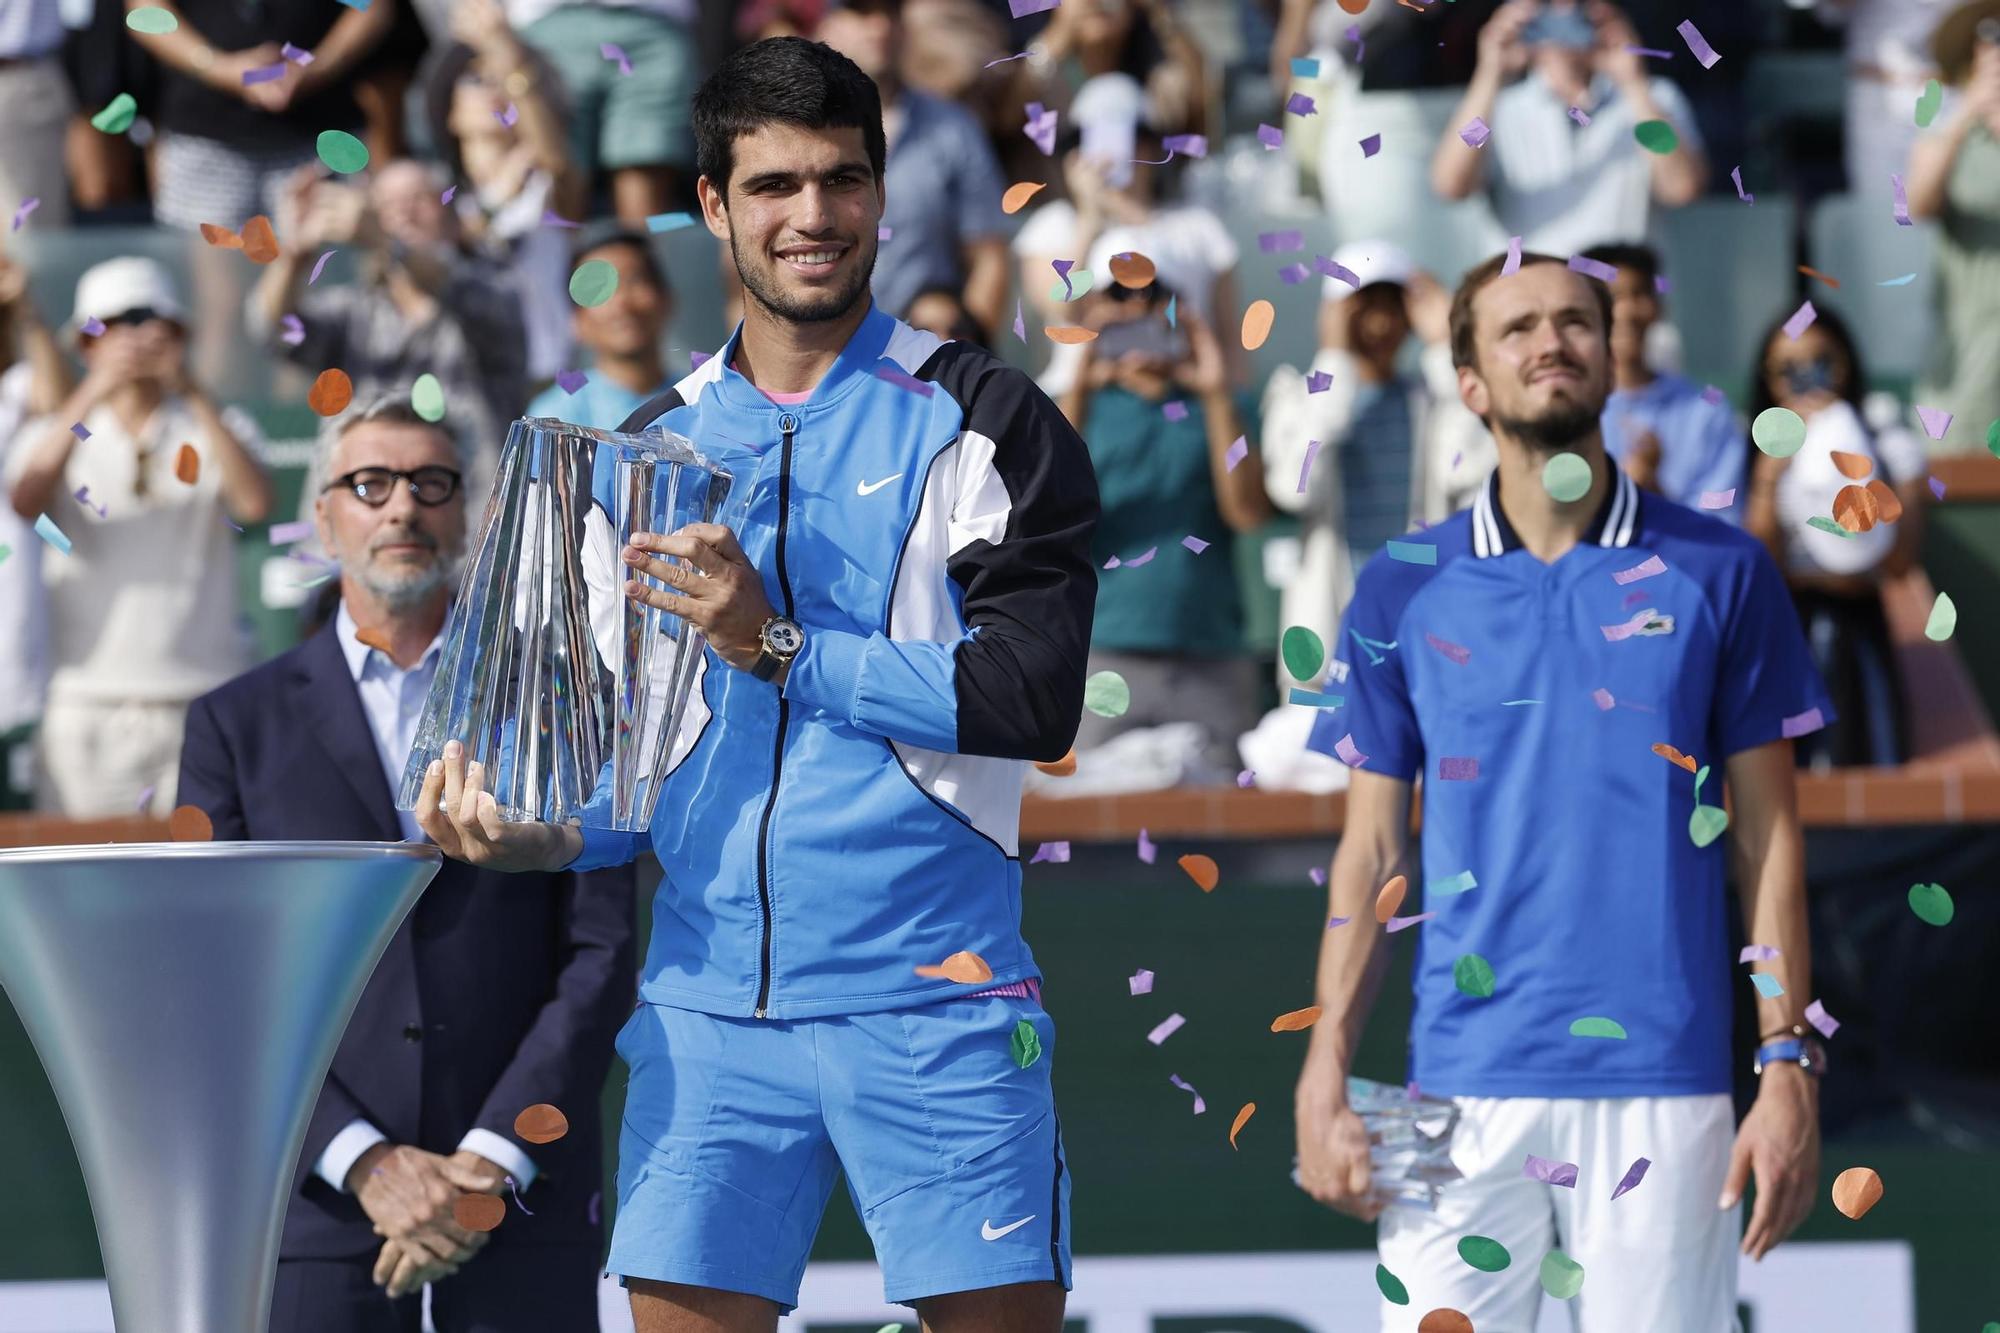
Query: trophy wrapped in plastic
[(1409, 1142), (552, 679)]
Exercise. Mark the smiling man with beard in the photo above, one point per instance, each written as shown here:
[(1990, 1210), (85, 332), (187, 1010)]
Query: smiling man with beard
[(1557, 663)]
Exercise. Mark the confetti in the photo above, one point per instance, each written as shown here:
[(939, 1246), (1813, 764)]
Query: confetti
[(1141, 982), (1391, 1287), (479, 1212), (331, 392), (1673, 756), (1020, 325), (1656, 136), (1041, 128), (1936, 421), (1801, 320), (1298, 1020), (1513, 264), (1855, 1191), (593, 282), (1888, 505), (1550, 1171), (1562, 1276), (1460, 655), (153, 20), (341, 151), (1270, 136), (92, 326), (187, 465), (1757, 953), (449, 193), (319, 264), (1187, 145), (1566, 477), (1022, 8), (1580, 116), (1056, 853), (1592, 268), (1390, 897), (1928, 102), (28, 206), (1943, 619), (1603, 699), (1201, 869), (1314, 699), (1242, 1119), (896, 375), (264, 74), (1026, 1045), (1257, 317), (1937, 487), (190, 823), (1473, 976), (46, 529), (294, 330), (659, 223), (1175, 410), (1652, 51), (1707, 823), (1852, 466), (1147, 851), (297, 55), (1060, 768), (551, 218), (571, 380), (1817, 1015), (1353, 34), (541, 1123), (1133, 270), (1069, 333), (1348, 752), (1194, 544), (1339, 272), (1453, 768), (1371, 145), (1484, 1253), (1778, 431), (1903, 281), (1697, 44), (1475, 133), (1633, 1175), (615, 53), (1462, 882), (1165, 1028), (1900, 209), (1280, 242), (117, 115), (5, 551), (596, 1205), (1397, 923), (1412, 553), (1645, 569), (221, 237), (427, 397), (964, 967), (1767, 985), (1856, 509), (1239, 449), (1597, 1027), (1931, 903), (1301, 105), (1106, 694), (1444, 1319), (1185, 1086), (289, 534), (1305, 67)]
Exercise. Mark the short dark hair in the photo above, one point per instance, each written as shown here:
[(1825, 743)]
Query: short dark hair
[(786, 80), (603, 235), (1641, 259), (1464, 352)]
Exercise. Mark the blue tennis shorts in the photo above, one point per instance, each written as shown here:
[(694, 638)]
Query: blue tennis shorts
[(736, 1128)]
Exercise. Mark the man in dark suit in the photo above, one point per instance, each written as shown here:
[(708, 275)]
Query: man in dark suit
[(498, 993)]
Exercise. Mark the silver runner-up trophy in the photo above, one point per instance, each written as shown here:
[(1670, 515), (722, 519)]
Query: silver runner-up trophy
[(1409, 1142)]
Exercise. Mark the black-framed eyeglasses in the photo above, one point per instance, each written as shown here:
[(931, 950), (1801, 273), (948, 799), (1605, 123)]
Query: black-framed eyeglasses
[(431, 486)]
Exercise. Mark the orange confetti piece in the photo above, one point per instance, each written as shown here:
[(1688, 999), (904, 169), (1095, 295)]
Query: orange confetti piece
[(479, 1212), (1018, 194), (1069, 333), (1061, 768), (1815, 273), (1242, 1119), (1887, 503), (1853, 466), (187, 465), (1675, 757), (1856, 1190), (190, 823), (1444, 1320), (541, 1123), (260, 243), (1201, 869), (373, 638), (1296, 1021), (1132, 270), (1354, 6), (1257, 324), (331, 393), (1391, 898), (1854, 508), (963, 967), (221, 236)]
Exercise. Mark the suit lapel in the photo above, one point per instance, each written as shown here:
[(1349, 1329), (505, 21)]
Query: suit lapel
[(331, 705)]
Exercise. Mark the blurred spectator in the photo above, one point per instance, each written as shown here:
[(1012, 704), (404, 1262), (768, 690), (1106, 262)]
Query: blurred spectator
[(1835, 578), (622, 335), (1140, 39), (1388, 442), (101, 60), (1153, 402), (629, 116), (497, 123), (423, 304), (1888, 60), (138, 468), (35, 108), (942, 311), (1665, 435), (1561, 168), (1191, 250), (381, 82), (1955, 178), (942, 215), (34, 379)]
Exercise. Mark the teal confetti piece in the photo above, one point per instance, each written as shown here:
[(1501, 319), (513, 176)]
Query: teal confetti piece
[(1305, 67), (46, 529), (1828, 526), (665, 222), (1462, 882), (1027, 1046), (1903, 281), (1413, 553), (1767, 985), (1171, 302), (1314, 699), (1707, 823), (117, 115), (1562, 1276)]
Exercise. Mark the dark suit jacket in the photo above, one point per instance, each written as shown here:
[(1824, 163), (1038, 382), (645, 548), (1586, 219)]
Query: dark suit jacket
[(496, 993)]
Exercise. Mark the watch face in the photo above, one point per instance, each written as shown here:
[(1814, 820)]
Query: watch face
[(784, 638)]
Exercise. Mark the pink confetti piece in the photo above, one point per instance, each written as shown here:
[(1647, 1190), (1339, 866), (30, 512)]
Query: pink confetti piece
[(1194, 544), (289, 534), (1020, 326), (571, 380), (1020, 9), (1399, 923), (28, 206), (1317, 875), (1716, 499), (1318, 381), (895, 376), (1350, 754), (92, 326), (1475, 133), (1602, 697), (1457, 768), (885, 233), (1614, 633), (1633, 1175), (1247, 778), (1148, 852), (1371, 145), (1801, 724), (1817, 1015), (1801, 320), (1167, 1027), (1238, 451), (1299, 104), (1736, 175), (1936, 421), (1278, 242), (1294, 274), (1057, 853), (1185, 1086), (1901, 211), (264, 74), (1174, 410), (1580, 116), (1187, 145), (1645, 569), (1141, 982), (295, 330), (1270, 136), (1757, 953), (1592, 268), (318, 264), (1937, 488), (614, 52), (1550, 1171), (1041, 128), (295, 55), (1513, 264), (1697, 44), (1455, 652)]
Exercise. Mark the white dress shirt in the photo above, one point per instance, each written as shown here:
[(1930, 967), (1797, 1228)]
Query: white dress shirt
[(393, 700)]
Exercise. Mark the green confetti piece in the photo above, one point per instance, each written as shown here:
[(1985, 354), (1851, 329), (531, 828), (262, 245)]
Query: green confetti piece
[(1391, 1286), (1656, 136), (1562, 1276), (1484, 1253), (1598, 1027), (151, 20), (1827, 525), (1304, 652), (117, 116), (342, 152), (1107, 695), (427, 397), (1778, 431), (1944, 619), (1027, 1046), (1993, 438), (1473, 976), (1700, 776), (1079, 282), (5, 551), (1566, 477), (890, 1328), (593, 282), (1928, 103), (1931, 904), (1991, 1326), (1707, 823)]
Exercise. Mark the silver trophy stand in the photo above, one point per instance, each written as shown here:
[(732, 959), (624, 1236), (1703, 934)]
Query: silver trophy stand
[(186, 1000)]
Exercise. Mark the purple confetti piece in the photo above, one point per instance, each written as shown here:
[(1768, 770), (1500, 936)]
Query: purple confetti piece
[(1305, 468), (1937, 488), (1317, 875), (1148, 852), (1279, 242), (1187, 145), (1167, 1027), (1801, 724), (1056, 853), (1041, 128), (295, 330), (288, 534), (1455, 652), (1018, 55), (1457, 768), (1141, 982), (1817, 1015), (895, 376), (450, 191), (227, 522), (1318, 381), (82, 496), (1475, 133), (595, 1197), (1713, 396), (1697, 44), (1653, 51), (1550, 1171), (78, 429), (146, 799), (517, 1197), (1603, 699), (508, 115), (1645, 569), (1194, 544), (1294, 274), (1062, 268), (1801, 320), (28, 206), (1736, 175), (1662, 283), (295, 55), (571, 380), (1020, 9), (1174, 410), (1716, 499), (1349, 753), (613, 51), (885, 233), (1593, 268), (1020, 325), (1936, 421), (1337, 271), (1371, 145), (1185, 1086), (1238, 451), (1140, 561), (1335, 922), (1632, 1177), (1580, 116), (1513, 264), (1757, 953), (319, 264), (696, 358), (1397, 923), (264, 74), (1270, 136), (1301, 105), (1901, 211), (1113, 563), (1360, 47), (1247, 778), (551, 218), (92, 326)]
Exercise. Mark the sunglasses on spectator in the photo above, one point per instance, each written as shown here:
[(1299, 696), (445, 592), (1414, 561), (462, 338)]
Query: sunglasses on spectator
[(431, 486), (133, 318)]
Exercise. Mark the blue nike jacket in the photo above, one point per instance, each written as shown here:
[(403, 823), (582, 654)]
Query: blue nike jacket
[(926, 517)]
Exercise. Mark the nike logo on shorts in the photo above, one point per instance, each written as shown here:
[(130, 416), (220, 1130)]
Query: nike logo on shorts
[(869, 488), (987, 1231)]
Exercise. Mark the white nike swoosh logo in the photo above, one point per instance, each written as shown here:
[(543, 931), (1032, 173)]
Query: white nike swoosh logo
[(869, 488), (987, 1230)]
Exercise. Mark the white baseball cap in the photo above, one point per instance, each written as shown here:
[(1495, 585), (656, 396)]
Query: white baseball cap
[(1370, 261), (116, 286)]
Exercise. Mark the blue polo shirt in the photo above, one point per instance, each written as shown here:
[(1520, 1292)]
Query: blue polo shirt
[(1555, 842)]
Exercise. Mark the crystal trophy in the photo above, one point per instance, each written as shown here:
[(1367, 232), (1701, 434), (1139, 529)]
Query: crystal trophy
[(1409, 1142)]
